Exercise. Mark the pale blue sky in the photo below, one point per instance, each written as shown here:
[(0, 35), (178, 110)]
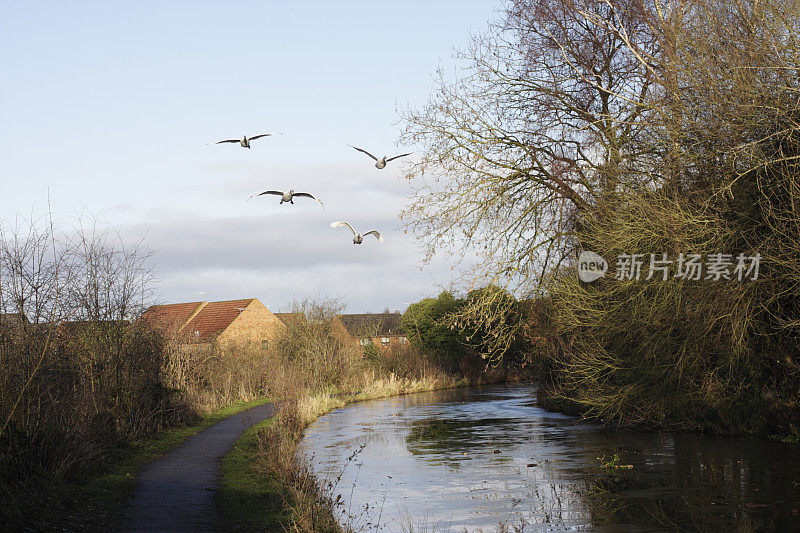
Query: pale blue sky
[(112, 106)]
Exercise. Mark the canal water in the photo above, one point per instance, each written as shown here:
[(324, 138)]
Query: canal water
[(490, 459)]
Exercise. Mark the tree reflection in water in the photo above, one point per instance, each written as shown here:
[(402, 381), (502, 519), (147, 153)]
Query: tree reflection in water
[(474, 458)]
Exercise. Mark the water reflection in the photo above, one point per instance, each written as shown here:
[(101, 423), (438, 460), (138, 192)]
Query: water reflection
[(477, 458)]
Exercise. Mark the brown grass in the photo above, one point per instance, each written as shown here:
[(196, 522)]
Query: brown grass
[(314, 373)]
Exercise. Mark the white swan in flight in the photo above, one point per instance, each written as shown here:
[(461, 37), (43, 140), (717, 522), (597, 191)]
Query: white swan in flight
[(357, 237), (288, 195), (380, 163), (245, 140)]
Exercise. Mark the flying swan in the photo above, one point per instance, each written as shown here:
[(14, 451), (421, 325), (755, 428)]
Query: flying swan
[(288, 195), (357, 237), (245, 140), (380, 163)]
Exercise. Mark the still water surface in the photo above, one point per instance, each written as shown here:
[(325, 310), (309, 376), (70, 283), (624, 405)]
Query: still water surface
[(472, 459)]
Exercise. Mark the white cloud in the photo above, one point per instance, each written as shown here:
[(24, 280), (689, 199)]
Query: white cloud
[(235, 248)]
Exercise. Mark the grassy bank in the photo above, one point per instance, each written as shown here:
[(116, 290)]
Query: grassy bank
[(716, 356), (72, 446), (266, 488), (93, 502), (250, 495), (86, 409)]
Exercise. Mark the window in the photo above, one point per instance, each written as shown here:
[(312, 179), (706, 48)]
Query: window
[(384, 341), (365, 341), (403, 340), (265, 345)]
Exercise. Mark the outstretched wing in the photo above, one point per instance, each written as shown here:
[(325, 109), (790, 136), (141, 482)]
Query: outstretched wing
[(229, 141), (364, 151), (341, 223), (279, 193), (309, 195), (262, 135), (398, 156), (376, 233)]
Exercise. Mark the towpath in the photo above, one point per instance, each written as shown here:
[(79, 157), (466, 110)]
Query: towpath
[(177, 492)]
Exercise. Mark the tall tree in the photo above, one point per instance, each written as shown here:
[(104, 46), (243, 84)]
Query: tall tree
[(545, 123), (548, 122)]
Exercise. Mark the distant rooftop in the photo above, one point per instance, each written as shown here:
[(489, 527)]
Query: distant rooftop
[(214, 317), (171, 317), (199, 320)]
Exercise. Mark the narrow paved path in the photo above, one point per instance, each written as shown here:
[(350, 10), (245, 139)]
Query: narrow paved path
[(176, 492)]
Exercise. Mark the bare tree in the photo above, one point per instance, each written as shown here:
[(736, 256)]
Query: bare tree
[(546, 123), (80, 283), (723, 118), (34, 265), (549, 122), (112, 279)]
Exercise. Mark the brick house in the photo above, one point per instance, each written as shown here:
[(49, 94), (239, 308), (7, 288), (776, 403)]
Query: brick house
[(381, 329), (221, 324), (171, 318)]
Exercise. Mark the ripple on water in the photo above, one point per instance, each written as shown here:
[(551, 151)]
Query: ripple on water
[(474, 458)]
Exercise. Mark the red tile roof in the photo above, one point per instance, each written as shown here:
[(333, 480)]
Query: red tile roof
[(170, 316), (214, 318)]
